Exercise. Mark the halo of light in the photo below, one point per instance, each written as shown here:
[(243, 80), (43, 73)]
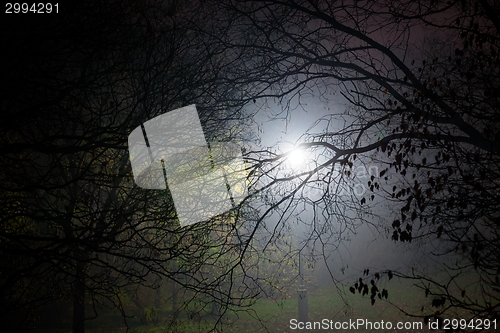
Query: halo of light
[(296, 158)]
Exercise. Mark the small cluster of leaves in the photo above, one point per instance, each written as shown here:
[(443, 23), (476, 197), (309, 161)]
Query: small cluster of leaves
[(372, 289), (438, 302)]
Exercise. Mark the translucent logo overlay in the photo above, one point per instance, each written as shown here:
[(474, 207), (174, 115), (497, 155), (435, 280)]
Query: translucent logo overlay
[(170, 151)]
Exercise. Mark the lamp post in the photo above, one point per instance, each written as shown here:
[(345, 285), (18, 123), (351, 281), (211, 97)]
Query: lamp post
[(302, 293), (297, 161)]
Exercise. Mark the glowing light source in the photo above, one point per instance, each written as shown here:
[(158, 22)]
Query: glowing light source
[(297, 158)]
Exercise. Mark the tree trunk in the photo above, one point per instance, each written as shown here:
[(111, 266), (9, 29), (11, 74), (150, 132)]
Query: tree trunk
[(215, 305), (79, 298), (174, 292)]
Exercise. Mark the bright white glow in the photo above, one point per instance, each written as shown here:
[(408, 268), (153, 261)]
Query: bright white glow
[(297, 158)]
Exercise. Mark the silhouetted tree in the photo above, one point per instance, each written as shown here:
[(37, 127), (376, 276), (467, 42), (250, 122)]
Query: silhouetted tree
[(420, 80), (73, 226)]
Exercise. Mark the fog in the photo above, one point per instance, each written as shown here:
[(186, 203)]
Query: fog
[(366, 245)]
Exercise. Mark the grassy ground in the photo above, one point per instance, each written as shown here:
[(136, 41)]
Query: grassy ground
[(327, 304), (324, 303), (274, 316)]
